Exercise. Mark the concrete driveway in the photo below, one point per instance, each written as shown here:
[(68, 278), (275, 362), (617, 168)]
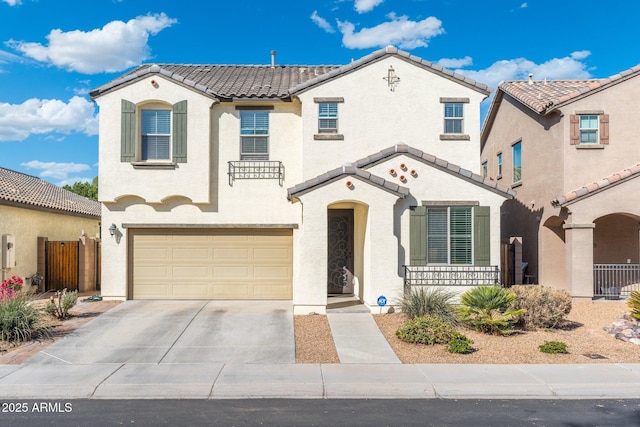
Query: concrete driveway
[(181, 332)]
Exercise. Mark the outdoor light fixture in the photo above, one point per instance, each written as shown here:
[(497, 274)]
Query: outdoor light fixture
[(112, 229)]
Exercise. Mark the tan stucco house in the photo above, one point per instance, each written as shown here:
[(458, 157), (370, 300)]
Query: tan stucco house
[(569, 149), (32, 211), (294, 182)]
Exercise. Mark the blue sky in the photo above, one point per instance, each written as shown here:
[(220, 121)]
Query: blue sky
[(53, 52)]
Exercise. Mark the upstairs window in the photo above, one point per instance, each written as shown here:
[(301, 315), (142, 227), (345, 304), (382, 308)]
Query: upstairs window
[(453, 117), (156, 135), (499, 162), (588, 129), (328, 117), (517, 162), (254, 135), (485, 169)]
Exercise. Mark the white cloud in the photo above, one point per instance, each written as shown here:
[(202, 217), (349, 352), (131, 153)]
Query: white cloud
[(13, 2), (40, 116), (59, 171), (567, 68), (580, 54), (321, 22), (523, 5), (399, 31), (363, 6), (114, 47), (455, 62)]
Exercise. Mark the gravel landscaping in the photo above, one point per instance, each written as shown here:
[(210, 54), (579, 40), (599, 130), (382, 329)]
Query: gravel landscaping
[(583, 332)]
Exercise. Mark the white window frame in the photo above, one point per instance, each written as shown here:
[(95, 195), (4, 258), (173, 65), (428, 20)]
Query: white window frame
[(517, 166), (146, 134), (449, 237), (327, 117), (255, 133), (485, 169), (588, 131), (454, 114), (499, 162)]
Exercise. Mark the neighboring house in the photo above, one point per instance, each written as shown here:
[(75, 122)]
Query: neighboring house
[(293, 182), (569, 149), (33, 211)]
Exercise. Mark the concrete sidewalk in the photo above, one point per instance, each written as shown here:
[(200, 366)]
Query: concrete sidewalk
[(314, 381)]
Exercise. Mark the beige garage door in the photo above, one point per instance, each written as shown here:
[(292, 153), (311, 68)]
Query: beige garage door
[(211, 264)]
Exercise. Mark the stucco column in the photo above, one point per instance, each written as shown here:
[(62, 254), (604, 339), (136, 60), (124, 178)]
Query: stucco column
[(579, 241)]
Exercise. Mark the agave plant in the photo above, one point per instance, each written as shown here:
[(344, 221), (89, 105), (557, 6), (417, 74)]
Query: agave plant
[(488, 309)]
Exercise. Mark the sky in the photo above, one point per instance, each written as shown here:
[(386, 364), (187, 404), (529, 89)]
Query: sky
[(53, 52)]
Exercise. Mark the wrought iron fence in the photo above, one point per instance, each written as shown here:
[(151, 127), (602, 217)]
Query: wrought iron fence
[(450, 275), (247, 169), (612, 281)]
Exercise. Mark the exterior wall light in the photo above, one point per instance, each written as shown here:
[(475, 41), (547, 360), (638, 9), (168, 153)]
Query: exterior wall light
[(112, 229)]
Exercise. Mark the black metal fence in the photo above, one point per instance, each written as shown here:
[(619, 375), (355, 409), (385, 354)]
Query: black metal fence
[(450, 275), (612, 281)]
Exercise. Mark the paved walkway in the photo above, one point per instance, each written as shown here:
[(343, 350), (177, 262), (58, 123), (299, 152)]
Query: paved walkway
[(180, 353)]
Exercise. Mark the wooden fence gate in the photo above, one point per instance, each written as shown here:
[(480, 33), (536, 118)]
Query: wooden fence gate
[(62, 266)]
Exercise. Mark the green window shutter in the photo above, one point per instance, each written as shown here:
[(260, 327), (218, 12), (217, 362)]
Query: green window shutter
[(481, 236), (180, 132), (128, 132), (418, 236)]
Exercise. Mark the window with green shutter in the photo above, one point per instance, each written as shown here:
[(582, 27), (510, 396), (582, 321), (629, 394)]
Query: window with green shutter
[(457, 235)]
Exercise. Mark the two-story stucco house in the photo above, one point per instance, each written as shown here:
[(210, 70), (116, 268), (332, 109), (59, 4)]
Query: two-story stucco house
[(569, 149), (292, 182)]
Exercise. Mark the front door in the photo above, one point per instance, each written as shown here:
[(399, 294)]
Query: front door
[(340, 251)]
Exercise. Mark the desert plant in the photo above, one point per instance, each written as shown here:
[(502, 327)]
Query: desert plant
[(553, 347), (9, 288), (545, 306), (17, 318), (437, 302), (634, 304), (488, 309), (426, 329), (460, 344), (60, 304)]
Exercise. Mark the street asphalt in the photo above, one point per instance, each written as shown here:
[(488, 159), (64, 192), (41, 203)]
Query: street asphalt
[(246, 349)]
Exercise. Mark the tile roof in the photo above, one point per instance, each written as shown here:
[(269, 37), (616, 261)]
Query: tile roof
[(266, 81), (546, 95), (358, 168), (594, 187), (346, 170), (22, 189)]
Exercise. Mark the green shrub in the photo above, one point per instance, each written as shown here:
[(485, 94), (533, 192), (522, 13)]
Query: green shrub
[(488, 309), (553, 347), (437, 302), (460, 344), (545, 306), (426, 329), (634, 304), (60, 304), (17, 319)]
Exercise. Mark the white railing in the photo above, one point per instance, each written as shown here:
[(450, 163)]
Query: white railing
[(614, 280)]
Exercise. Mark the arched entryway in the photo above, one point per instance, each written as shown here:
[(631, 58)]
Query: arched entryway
[(615, 239), (346, 229), (552, 265)]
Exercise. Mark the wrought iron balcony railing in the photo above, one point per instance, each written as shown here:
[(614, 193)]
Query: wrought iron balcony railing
[(254, 169), (450, 275)]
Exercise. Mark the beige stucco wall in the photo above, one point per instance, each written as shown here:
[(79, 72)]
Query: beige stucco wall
[(26, 225), (373, 117), (551, 167)]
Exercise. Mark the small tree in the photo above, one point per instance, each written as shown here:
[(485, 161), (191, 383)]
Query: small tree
[(84, 189)]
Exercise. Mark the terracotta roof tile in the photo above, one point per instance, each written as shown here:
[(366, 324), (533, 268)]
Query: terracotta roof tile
[(390, 152), (593, 187), (266, 81), (22, 189), (543, 96)]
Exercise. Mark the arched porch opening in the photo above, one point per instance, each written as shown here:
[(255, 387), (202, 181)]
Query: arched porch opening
[(346, 243), (552, 268)]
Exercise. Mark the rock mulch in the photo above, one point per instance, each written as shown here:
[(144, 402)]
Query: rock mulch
[(626, 329)]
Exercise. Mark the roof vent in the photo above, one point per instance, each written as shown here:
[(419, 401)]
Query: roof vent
[(530, 78), (273, 59)]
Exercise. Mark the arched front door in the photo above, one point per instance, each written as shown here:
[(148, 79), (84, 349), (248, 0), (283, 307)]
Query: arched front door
[(340, 251)]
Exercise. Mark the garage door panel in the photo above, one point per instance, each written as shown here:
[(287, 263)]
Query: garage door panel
[(212, 264)]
